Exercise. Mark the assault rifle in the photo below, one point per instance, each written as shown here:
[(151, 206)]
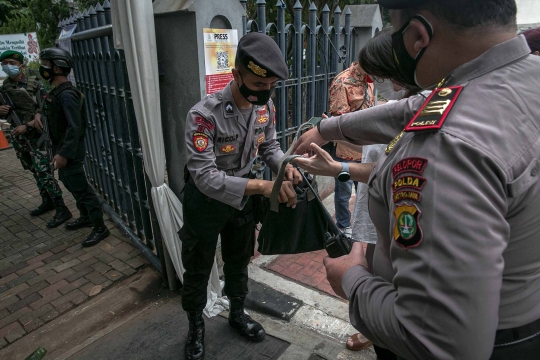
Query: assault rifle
[(14, 119), (45, 138)]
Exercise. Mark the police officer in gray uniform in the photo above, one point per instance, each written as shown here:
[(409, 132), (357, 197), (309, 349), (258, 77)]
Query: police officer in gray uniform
[(224, 133), (455, 199)]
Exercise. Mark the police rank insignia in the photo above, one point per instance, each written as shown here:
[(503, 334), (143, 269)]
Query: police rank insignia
[(200, 141), (407, 230), (260, 139), (435, 110), (228, 148), (229, 107), (257, 70)]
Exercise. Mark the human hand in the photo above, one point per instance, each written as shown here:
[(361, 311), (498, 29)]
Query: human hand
[(292, 174), (286, 193), (4, 110), (336, 268), (59, 161), (324, 116), (311, 136), (319, 164), (19, 130), (36, 123)]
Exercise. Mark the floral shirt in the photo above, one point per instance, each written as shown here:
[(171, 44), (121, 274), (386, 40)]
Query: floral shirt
[(350, 92)]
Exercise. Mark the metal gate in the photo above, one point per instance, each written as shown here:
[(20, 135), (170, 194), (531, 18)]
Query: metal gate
[(114, 162)]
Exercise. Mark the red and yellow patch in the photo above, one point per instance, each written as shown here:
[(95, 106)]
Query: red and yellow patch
[(262, 111), (199, 120), (408, 182), (435, 110), (200, 141), (228, 148), (260, 139), (262, 119), (274, 119), (407, 195), (412, 164)]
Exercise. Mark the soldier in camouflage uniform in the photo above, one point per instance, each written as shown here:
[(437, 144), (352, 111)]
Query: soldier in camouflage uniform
[(23, 92)]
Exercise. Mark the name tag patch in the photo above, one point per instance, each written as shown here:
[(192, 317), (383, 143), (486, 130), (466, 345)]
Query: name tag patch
[(407, 195), (228, 138), (435, 110)]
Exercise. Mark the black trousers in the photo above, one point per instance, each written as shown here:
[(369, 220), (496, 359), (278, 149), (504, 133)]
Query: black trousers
[(204, 220), (74, 179)]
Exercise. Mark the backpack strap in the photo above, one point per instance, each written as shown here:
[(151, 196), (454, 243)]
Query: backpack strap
[(31, 84)]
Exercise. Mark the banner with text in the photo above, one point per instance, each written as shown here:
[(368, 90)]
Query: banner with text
[(25, 43), (219, 55)]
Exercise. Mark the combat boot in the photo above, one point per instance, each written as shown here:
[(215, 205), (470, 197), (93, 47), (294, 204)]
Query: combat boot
[(62, 214), (46, 205), (246, 326), (99, 232), (81, 222), (194, 349)]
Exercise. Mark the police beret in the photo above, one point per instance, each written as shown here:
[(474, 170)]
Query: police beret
[(12, 54), (402, 4), (260, 54)]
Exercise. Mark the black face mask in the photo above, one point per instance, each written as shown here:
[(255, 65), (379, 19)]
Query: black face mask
[(259, 97), (405, 64), (46, 73)]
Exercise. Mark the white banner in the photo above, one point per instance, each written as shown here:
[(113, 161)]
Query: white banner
[(25, 43)]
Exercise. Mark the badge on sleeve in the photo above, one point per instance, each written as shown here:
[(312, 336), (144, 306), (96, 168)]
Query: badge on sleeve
[(435, 110), (407, 230), (199, 120), (409, 165), (260, 139), (408, 182), (200, 141)]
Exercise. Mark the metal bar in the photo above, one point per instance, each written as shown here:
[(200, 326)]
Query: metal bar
[(244, 17), (335, 47), (106, 30), (311, 60), (349, 56), (297, 61), (325, 56), (281, 96), (261, 15)]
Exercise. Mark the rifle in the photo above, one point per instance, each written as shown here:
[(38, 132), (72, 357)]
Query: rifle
[(15, 119), (45, 138)]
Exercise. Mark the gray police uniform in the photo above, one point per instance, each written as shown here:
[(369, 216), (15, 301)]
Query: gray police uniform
[(455, 204), (222, 142)]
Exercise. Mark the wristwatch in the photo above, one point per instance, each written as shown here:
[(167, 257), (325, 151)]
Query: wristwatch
[(344, 174)]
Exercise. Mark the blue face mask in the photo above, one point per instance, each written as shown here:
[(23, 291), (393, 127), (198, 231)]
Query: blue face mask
[(11, 70)]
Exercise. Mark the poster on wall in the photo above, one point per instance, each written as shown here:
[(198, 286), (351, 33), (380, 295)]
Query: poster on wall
[(25, 43), (219, 55)]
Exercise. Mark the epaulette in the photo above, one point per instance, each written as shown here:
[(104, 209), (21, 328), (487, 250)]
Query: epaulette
[(435, 110), (209, 103)]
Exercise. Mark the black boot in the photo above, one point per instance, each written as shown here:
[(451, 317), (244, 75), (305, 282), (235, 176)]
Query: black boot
[(194, 349), (62, 214), (81, 222), (246, 326), (46, 205), (99, 232)]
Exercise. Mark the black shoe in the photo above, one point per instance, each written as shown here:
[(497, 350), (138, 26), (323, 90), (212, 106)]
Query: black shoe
[(97, 234), (194, 349), (46, 205), (62, 215), (81, 222), (246, 326)]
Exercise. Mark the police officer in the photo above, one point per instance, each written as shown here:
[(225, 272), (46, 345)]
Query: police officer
[(64, 110), (455, 198), (224, 132), (23, 91)]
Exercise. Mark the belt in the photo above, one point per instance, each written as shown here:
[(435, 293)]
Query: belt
[(511, 336)]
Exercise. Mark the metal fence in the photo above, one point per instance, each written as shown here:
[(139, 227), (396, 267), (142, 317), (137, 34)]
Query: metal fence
[(315, 53), (114, 162)]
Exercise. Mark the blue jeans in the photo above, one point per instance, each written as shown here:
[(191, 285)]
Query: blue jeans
[(342, 195)]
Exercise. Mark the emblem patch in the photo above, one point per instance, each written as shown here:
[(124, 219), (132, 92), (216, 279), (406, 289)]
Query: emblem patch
[(274, 119), (260, 139), (393, 143), (262, 111), (200, 141), (435, 110), (412, 164), (407, 230), (229, 107), (407, 195), (228, 148), (257, 70), (262, 119), (199, 120), (412, 182)]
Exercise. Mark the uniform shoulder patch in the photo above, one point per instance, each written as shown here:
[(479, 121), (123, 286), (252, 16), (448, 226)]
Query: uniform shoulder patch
[(199, 120), (409, 165), (200, 141), (407, 230), (435, 110)]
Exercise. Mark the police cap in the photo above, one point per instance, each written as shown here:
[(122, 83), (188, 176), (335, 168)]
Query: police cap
[(260, 54), (12, 54), (402, 4)]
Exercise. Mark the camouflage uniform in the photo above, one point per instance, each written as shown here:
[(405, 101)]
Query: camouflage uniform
[(35, 160)]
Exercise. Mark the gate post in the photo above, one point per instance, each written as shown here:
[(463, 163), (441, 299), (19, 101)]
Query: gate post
[(180, 47)]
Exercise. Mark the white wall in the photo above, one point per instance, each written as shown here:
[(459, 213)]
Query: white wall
[(528, 11)]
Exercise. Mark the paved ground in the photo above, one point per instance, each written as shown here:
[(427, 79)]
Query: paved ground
[(46, 272)]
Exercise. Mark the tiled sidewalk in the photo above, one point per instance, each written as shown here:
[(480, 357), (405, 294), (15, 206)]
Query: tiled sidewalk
[(307, 268), (46, 272)]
